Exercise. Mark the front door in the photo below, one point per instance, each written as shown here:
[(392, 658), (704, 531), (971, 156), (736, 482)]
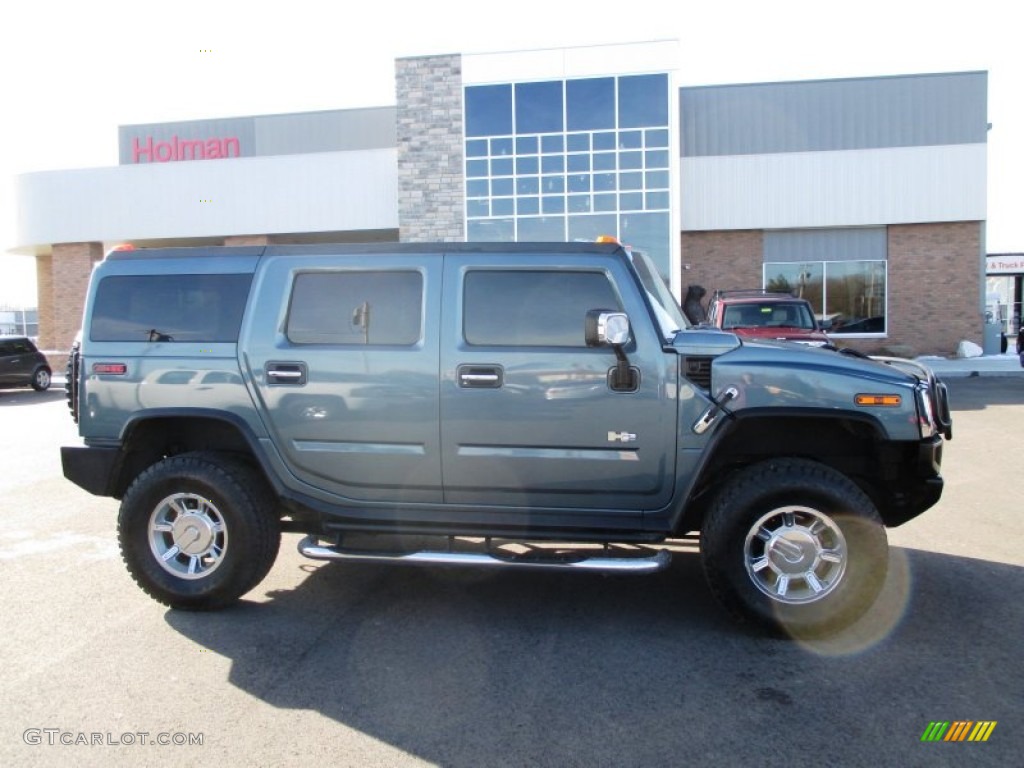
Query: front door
[(528, 415)]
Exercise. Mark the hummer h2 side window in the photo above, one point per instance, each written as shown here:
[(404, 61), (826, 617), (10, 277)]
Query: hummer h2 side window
[(532, 308), (168, 308), (354, 307)]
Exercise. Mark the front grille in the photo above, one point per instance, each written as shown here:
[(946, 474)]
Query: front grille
[(698, 371)]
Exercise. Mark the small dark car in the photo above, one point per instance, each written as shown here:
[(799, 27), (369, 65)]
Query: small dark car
[(22, 365)]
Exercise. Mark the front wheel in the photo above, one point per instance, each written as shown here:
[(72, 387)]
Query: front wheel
[(197, 531), (796, 546), (41, 379)]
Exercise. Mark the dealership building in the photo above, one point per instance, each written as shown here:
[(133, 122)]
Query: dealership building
[(865, 195)]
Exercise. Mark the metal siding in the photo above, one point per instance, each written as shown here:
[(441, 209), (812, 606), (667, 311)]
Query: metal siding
[(857, 244), (826, 115), (340, 130), (325, 192), (834, 189), (336, 131)]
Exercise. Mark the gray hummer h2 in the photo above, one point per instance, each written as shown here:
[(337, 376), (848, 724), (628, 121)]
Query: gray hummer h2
[(530, 405)]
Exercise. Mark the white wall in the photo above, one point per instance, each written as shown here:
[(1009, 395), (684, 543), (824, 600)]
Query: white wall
[(329, 191), (834, 189)]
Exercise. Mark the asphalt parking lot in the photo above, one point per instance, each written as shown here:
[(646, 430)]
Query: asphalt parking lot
[(361, 665)]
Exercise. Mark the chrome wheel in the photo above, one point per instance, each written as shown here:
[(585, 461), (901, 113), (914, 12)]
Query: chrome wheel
[(795, 555), (41, 380), (187, 536)]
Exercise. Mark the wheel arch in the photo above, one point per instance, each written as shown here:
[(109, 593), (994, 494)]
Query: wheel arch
[(852, 445)]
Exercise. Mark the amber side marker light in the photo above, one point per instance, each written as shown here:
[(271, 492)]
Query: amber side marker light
[(878, 401), (116, 369)]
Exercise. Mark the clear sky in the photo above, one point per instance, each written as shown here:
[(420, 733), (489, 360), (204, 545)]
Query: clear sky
[(72, 71)]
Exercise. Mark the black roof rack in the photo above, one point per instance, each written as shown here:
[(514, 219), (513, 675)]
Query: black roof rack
[(752, 292)]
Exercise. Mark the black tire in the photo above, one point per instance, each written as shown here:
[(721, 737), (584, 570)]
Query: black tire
[(795, 547), (41, 379), (212, 503), (71, 381)]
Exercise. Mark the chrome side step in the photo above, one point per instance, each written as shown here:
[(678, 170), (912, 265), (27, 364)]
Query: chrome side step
[(577, 560)]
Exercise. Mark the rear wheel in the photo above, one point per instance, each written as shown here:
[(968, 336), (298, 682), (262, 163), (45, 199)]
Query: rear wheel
[(198, 531), (794, 545)]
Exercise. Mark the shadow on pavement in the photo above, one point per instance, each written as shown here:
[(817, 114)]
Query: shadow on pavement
[(27, 396), (465, 668), (977, 392)]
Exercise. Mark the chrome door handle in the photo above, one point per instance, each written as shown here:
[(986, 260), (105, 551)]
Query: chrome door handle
[(479, 376)]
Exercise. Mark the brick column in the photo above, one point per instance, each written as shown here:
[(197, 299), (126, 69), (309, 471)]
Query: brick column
[(71, 267), (430, 186), (44, 291)]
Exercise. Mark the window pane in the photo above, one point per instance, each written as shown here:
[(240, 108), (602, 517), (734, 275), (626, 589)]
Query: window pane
[(542, 229), (657, 158), (552, 204), (579, 203), (551, 144), (502, 167), (539, 107), (855, 296), (631, 140), (604, 161), (491, 230), (643, 100), (631, 181), (590, 104), (631, 160), (591, 227), (605, 140), (552, 163), (526, 145), (501, 147), (502, 206), (605, 202), (604, 182), (476, 188), (476, 148), (476, 168), (579, 182), (526, 206), (183, 307), (477, 208), (532, 308), (579, 162), (488, 110), (528, 185), (501, 186), (655, 200), (356, 308), (657, 137), (578, 142), (631, 201), (650, 233), (656, 179), (552, 184), (802, 280), (526, 164)]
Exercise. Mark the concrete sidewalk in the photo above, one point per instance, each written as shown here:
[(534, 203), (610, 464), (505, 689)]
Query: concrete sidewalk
[(986, 365)]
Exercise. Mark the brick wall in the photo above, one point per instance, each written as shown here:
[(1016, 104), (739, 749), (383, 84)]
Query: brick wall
[(430, 166), (722, 260), (247, 240), (70, 267), (44, 291), (934, 286)]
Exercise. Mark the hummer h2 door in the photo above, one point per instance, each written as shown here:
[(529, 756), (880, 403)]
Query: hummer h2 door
[(529, 413)]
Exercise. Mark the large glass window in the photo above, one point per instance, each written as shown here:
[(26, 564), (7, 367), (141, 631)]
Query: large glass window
[(204, 308), (595, 148), (354, 307), (849, 297), (532, 308)]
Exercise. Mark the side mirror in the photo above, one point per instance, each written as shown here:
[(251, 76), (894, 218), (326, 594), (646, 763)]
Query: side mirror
[(606, 327)]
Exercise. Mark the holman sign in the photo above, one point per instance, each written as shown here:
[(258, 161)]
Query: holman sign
[(151, 151)]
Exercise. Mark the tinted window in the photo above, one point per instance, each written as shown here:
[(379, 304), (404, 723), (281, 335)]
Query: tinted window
[(356, 308), (590, 104), (532, 308), (539, 107), (205, 308), (488, 110), (643, 100)]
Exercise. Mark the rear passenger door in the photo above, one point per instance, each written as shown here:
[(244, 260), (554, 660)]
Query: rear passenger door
[(528, 418), (343, 355)]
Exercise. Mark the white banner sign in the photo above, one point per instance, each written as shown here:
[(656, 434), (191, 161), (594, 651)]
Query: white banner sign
[(1009, 264)]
